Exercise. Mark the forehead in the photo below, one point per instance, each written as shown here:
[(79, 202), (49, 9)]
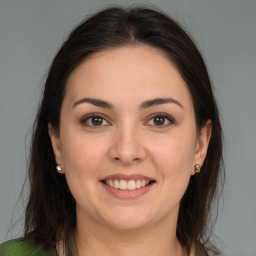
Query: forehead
[(133, 71)]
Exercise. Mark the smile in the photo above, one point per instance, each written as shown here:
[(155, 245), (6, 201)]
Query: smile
[(127, 184)]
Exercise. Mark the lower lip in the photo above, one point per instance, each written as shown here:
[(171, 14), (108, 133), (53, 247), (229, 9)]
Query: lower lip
[(128, 194)]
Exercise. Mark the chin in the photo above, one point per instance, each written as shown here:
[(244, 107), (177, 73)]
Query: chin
[(127, 220), (127, 226)]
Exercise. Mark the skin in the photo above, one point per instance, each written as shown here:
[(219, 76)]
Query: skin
[(129, 140)]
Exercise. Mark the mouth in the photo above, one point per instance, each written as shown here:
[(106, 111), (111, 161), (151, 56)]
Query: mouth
[(132, 184), (125, 186)]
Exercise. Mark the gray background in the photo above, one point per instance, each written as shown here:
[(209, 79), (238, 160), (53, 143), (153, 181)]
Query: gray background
[(225, 31)]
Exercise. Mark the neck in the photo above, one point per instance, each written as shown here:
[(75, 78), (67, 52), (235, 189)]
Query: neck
[(154, 240)]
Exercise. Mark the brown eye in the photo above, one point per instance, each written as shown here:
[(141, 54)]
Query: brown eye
[(160, 120), (97, 120), (94, 120)]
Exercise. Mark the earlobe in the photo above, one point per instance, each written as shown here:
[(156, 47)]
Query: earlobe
[(54, 136), (202, 144)]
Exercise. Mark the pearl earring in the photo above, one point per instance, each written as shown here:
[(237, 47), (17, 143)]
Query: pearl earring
[(197, 168), (59, 168)]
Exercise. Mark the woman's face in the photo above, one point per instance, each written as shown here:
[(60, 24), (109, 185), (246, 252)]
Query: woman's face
[(128, 141)]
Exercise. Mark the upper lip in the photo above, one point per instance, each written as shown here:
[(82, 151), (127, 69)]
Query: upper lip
[(127, 177)]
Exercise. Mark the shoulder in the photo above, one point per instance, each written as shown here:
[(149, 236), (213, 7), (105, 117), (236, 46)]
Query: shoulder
[(23, 247)]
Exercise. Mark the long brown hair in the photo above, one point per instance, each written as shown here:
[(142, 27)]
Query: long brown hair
[(51, 212)]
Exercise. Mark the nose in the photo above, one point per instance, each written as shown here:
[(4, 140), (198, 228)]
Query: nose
[(127, 146)]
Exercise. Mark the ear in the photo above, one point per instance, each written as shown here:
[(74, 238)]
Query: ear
[(202, 144), (55, 139)]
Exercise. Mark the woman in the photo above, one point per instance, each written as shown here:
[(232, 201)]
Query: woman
[(127, 143)]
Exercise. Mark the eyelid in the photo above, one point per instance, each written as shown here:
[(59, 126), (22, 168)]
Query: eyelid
[(170, 119), (164, 115), (87, 117)]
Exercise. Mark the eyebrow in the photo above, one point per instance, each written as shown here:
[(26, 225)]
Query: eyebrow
[(95, 102), (145, 104), (159, 101)]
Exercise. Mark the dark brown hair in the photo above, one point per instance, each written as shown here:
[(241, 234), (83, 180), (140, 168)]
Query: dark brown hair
[(50, 213)]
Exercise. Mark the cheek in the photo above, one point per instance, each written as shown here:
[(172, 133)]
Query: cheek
[(81, 155), (175, 154), (178, 161), (82, 160)]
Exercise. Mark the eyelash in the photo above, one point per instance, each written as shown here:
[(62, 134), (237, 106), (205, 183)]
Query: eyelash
[(167, 117), (88, 118)]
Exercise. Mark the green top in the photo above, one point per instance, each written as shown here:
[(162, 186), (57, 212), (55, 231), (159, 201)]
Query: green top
[(23, 247)]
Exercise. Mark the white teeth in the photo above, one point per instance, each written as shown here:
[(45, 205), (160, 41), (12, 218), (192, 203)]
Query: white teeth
[(138, 184), (124, 185), (111, 183), (116, 184), (131, 185)]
